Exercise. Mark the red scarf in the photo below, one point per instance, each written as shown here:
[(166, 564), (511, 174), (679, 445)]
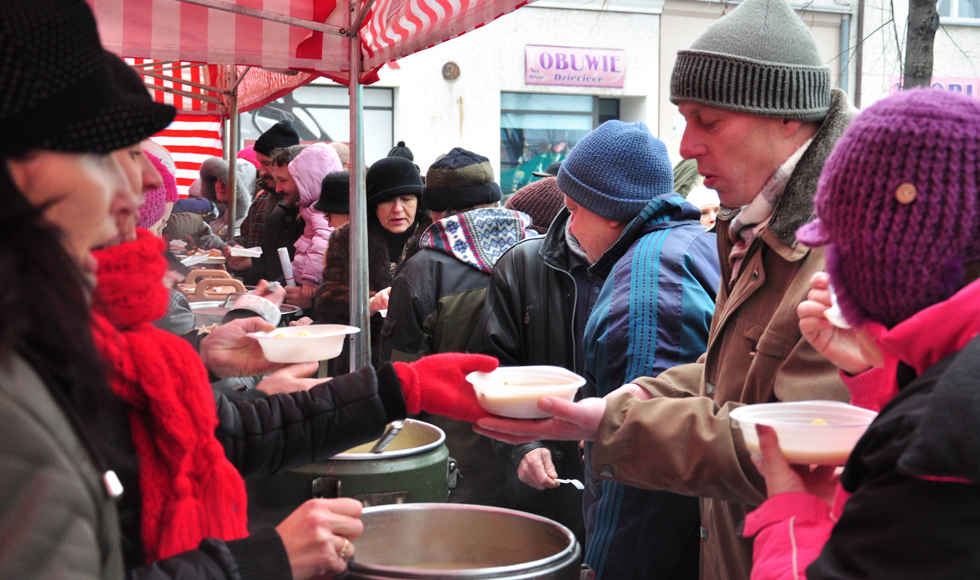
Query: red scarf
[(190, 491)]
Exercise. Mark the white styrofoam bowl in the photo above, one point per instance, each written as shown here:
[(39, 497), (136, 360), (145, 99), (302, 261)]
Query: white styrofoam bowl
[(801, 441), (515, 391), (299, 344)]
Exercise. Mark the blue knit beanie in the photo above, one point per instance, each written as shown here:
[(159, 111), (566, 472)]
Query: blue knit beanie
[(616, 170)]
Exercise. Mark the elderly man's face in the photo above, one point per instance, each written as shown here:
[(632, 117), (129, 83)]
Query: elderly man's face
[(595, 234), (267, 180), (737, 153)]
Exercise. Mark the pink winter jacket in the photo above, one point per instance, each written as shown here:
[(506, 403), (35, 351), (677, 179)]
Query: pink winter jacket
[(791, 529), (308, 170)]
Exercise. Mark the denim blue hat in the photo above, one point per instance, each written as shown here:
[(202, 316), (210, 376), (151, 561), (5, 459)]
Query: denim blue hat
[(616, 170)]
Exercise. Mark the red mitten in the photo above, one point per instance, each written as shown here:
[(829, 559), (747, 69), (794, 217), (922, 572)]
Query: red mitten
[(437, 384)]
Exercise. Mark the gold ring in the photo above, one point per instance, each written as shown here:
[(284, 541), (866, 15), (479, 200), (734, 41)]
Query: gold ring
[(343, 551)]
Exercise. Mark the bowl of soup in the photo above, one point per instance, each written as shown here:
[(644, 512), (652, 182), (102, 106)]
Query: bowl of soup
[(810, 432), (514, 392), (299, 344)]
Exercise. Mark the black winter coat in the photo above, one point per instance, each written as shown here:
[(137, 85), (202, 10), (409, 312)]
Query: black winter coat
[(915, 482), (261, 436), (529, 319), (282, 228)]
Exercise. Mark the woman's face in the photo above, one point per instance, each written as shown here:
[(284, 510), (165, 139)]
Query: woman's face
[(142, 176), (397, 215), (220, 191), (85, 195)]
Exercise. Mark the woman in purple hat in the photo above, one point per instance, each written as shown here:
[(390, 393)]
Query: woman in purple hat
[(899, 209)]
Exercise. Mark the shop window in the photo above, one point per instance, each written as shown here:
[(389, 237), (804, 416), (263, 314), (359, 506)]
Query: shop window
[(959, 11), (322, 113), (538, 129)]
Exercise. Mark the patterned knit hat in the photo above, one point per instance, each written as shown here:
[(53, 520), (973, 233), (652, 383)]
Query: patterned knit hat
[(282, 134), (616, 170), (542, 200), (460, 180), (899, 205), (760, 59)]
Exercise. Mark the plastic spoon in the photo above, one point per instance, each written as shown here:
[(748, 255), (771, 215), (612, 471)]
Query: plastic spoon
[(578, 484)]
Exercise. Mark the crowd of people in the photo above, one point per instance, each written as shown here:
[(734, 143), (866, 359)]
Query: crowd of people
[(679, 292)]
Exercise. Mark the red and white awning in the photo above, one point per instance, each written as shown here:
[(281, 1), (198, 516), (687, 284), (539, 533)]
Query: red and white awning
[(178, 31)]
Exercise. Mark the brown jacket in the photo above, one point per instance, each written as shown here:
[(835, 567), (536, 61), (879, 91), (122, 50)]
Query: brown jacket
[(756, 354)]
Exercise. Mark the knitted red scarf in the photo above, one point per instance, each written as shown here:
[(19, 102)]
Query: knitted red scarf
[(190, 491)]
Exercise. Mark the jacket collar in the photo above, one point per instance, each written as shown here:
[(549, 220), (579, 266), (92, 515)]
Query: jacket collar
[(661, 213), (931, 334), (554, 249)]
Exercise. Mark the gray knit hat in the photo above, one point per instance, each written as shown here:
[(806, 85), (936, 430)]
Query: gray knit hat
[(760, 59)]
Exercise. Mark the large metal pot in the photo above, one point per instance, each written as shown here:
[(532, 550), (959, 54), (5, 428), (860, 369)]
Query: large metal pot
[(415, 467), (455, 541), (213, 312)]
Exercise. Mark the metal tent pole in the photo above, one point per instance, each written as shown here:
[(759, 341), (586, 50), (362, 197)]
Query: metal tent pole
[(231, 80), (360, 343)]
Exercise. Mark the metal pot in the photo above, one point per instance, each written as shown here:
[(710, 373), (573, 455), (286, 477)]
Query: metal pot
[(415, 467), (456, 541), (214, 311)]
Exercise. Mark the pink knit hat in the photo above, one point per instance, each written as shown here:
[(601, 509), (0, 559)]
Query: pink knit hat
[(899, 205), (156, 200), (248, 154)]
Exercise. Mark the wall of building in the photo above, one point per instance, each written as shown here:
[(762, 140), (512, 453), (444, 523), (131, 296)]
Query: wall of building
[(433, 115)]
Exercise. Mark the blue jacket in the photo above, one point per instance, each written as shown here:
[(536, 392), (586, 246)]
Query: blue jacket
[(653, 312)]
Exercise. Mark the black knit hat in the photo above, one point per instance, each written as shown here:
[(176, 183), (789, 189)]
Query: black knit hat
[(549, 171), (334, 193), (282, 134), (401, 151), (460, 180), (392, 177), (57, 92)]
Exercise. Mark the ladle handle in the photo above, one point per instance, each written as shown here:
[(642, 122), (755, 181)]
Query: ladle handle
[(390, 433)]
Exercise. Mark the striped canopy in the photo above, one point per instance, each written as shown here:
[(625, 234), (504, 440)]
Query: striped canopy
[(182, 30)]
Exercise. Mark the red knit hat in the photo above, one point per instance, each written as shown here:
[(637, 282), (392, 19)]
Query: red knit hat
[(542, 200), (899, 205)]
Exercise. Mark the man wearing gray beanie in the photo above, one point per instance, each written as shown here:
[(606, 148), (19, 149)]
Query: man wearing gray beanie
[(761, 121)]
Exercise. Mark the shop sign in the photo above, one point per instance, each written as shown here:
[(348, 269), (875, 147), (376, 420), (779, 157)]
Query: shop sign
[(968, 87), (574, 67)]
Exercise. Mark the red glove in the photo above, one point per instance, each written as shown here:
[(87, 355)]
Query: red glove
[(437, 384)]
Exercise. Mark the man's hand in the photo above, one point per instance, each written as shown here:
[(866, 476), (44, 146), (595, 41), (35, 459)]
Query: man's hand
[(227, 352), (569, 421), (380, 300), (291, 379), (537, 469), (271, 291), (840, 346), (781, 477), (318, 535), (236, 262), (296, 297)]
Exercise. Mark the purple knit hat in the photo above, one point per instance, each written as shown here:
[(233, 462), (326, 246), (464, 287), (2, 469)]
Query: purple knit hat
[(899, 205)]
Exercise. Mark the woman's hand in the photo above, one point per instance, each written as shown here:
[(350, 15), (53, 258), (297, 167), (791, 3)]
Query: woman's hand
[(781, 477), (577, 421), (318, 536), (840, 346), (379, 301), (228, 352)]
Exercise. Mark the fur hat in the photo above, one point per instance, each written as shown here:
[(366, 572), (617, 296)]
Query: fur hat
[(460, 180), (899, 205), (542, 200), (216, 169)]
